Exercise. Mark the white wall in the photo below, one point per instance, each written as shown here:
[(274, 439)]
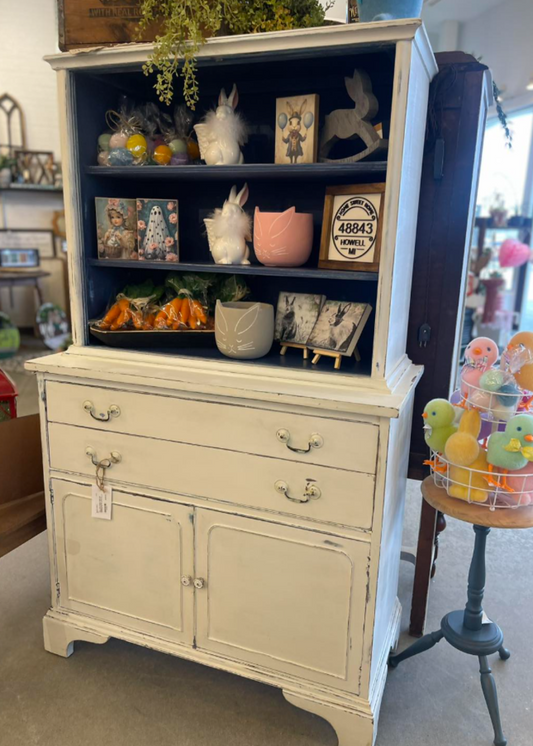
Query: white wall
[(502, 36), (28, 31)]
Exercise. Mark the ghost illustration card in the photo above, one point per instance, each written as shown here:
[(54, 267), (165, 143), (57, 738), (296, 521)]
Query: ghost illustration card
[(157, 230), (115, 228), (297, 129)]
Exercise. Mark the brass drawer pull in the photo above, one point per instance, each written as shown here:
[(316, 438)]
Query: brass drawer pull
[(107, 463), (315, 441), (113, 411), (311, 492)]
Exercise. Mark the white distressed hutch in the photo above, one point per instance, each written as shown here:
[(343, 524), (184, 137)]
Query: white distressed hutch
[(203, 557)]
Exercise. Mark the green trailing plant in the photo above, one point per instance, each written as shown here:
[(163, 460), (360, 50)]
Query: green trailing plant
[(502, 116), (186, 24)]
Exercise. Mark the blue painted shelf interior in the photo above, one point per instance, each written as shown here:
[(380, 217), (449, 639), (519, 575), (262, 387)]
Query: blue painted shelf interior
[(199, 189)]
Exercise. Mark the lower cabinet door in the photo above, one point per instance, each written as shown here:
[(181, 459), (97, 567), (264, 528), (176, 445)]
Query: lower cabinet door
[(126, 570), (283, 598)]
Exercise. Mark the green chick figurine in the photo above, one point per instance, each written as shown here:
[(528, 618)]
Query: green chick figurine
[(439, 415), (509, 450)]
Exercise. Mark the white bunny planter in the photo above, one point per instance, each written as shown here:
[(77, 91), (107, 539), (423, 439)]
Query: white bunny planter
[(229, 228), (222, 132)]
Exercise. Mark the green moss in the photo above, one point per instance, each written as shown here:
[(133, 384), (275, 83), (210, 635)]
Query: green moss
[(188, 23)]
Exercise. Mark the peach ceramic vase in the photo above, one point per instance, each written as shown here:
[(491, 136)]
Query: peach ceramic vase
[(283, 239)]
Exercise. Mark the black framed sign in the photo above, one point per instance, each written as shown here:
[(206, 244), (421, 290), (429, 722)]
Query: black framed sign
[(351, 228)]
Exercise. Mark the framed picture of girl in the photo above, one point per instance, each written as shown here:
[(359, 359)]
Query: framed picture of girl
[(115, 226)]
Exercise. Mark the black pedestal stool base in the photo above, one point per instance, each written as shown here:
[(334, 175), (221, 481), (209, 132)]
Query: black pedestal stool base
[(465, 631)]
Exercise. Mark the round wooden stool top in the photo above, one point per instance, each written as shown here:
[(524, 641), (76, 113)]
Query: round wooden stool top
[(438, 498)]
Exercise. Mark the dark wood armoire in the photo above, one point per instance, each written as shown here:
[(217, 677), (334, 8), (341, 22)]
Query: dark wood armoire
[(459, 98)]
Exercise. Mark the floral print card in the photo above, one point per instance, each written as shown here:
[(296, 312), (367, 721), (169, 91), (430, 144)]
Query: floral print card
[(157, 229), (115, 226)]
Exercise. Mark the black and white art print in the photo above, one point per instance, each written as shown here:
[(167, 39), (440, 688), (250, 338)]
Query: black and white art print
[(296, 316), (339, 326)]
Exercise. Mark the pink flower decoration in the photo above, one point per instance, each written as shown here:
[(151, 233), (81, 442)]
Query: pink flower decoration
[(113, 202), (139, 205), (141, 225), (171, 206), (172, 257), (513, 253), (173, 218), (169, 241), (154, 246)]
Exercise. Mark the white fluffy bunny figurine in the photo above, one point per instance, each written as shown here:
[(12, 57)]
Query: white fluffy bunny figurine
[(229, 228), (222, 132)]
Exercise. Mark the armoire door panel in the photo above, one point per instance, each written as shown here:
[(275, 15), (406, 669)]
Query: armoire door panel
[(126, 570), (281, 597)]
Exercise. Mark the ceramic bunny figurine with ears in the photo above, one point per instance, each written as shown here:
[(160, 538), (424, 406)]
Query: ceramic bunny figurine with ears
[(222, 132), (229, 228)]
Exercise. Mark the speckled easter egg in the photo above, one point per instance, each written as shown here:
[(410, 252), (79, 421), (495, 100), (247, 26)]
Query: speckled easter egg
[(492, 380), (137, 145), (103, 141), (193, 150), (103, 158), (120, 157), (178, 146), (179, 159), (162, 155), (118, 140)]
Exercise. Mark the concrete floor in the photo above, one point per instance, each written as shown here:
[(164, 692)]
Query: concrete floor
[(121, 695)]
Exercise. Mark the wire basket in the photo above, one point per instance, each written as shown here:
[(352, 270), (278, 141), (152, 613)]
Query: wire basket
[(473, 485), (495, 406)]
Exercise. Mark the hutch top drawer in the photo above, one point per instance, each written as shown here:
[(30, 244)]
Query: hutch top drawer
[(314, 440)]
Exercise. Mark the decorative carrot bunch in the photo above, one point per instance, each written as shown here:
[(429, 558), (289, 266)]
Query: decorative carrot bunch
[(182, 313), (133, 308), (121, 315)]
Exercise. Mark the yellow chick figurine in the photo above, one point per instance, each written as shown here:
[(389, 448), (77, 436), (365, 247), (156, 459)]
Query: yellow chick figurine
[(467, 458), (438, 416)]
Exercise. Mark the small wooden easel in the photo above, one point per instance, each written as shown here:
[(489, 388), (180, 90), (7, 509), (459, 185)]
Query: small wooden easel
[(337, 355), (286, 345)]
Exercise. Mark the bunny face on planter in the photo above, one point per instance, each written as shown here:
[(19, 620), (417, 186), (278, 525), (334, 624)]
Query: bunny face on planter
[(244, 331), (228, 228), (283, 239), (222, 132)]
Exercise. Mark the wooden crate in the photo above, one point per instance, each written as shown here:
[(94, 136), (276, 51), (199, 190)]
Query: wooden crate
[(90, 23)]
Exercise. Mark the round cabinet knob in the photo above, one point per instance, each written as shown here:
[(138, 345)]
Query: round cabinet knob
[(315, 441), (199, 583), (186, 580), (112, 411)]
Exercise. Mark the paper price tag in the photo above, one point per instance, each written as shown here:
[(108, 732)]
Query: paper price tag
[(102, 502)]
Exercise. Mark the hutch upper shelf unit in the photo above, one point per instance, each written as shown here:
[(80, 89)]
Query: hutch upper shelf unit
[(256, 506)]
